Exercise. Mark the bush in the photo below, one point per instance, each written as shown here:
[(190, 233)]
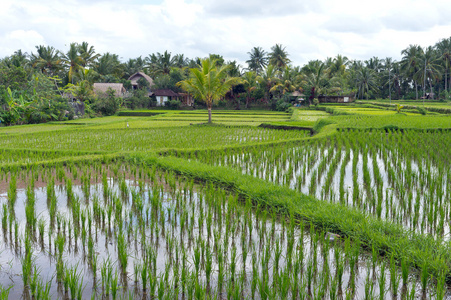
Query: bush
[(281, 105), (173, 104), (422, 111), (107, 105)]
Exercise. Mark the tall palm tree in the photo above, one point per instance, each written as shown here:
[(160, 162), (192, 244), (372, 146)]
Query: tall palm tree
[(444, 48), (249, 81), (411, 63), (367, 80), (73, 61), (278, 57), (209, 82), (160, 63), (258, 60), (267, 80), (133, 65), (88, 55), (109, 64), (430, 71), (47, 60), (316, 78)]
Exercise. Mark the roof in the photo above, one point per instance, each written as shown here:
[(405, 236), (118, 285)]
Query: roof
[(101, 88), (138, 75), (297, 94), (165, 92)]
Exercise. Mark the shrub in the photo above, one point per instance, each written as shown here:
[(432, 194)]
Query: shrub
[(173, 104), (422, 111), (281, 105), (107, 105)]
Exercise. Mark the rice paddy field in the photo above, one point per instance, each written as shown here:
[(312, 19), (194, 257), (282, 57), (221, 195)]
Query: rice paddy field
[(165, 207)]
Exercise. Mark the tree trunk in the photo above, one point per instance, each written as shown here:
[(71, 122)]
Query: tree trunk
[(209, 115), (416, 89)]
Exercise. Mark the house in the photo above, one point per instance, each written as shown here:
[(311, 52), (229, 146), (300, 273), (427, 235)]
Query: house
[(298, 98), (136, 77), (186, 99), (164, 95), (100, 89), (336, 99)]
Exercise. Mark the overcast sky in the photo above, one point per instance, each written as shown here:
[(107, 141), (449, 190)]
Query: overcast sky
[(309, 29)]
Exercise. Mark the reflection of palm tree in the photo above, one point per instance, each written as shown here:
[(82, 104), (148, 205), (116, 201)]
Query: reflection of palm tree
[(258, 60), (279, 57), (410, 63)]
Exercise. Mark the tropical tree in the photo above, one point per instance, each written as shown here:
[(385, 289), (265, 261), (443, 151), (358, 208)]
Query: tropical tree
[(209, 82), (258, 60), (73, 61), (316, 78), (367, 80), (88, 55), (430, 71), (278, 57), (411, 63), (249, 82), (109, 65), (160, 63), (47, 60), (133, 65), (267, 80), (444, 49)]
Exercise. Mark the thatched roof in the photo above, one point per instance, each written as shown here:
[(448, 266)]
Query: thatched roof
[(297, 94), (101, 88), (165, 92), (138, 75)]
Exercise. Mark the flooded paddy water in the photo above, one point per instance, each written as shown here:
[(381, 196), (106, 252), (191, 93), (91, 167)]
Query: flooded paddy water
[(118, 231)]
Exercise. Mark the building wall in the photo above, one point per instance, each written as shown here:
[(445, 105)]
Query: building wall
[(161, 100)]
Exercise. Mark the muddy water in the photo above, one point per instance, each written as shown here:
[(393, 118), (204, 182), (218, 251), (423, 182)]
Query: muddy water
[(171, 203)]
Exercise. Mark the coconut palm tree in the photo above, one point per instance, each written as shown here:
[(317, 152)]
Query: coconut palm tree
[(109, 64), (47, 60), (258, 60), (411, 63), (444, 48), (73, 60), (160, 63), (367, 80), (249, 81), (88, 55), (278, 57), (209, 82), (430, 71), (267, 80)]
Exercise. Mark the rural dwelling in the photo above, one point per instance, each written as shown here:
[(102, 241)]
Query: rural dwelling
[(186, 99), (164, 95), (336, 99), (136, 77), (298, 98), (100, 89)]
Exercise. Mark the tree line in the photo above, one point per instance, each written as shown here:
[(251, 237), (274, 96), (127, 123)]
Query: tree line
[(32, 85)]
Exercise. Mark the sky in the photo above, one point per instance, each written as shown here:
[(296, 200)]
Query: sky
[(308, 29)]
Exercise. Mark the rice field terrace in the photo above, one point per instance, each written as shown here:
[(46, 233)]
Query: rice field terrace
[(401, 177), (157, 205), (121, 231)]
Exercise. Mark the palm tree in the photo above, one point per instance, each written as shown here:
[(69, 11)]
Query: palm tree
[(367, 80), (109, 64), (267, 80), (258, 60), (430, 70), (87, 54), (315, 77), (133, 65), (444, 48), (410, 63), (73, 60), (47, 60), (160, 63), (279, 57), (249, 81), (209, 82)]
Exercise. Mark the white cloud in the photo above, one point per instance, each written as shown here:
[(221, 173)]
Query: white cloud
[(310, 29)]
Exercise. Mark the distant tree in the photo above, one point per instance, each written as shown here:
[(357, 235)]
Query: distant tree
[(87, 54), (108, 65), (444, 49), (367, 80), (73, 61), (208, 82), (278, 57), (411, 64), (47, 60), (258, 60), (159, 63)]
